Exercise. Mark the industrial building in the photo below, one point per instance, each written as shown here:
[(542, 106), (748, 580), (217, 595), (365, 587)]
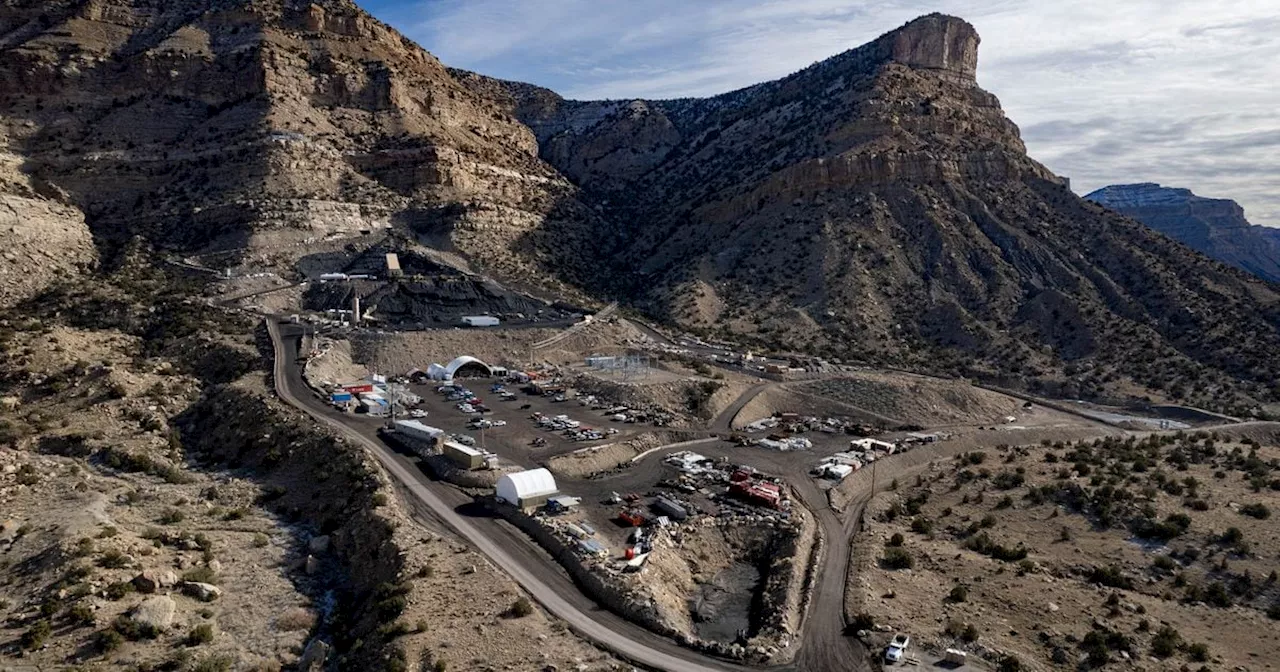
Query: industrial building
[(393, 265), (527, 490)]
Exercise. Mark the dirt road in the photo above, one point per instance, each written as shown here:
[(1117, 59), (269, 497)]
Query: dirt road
[(541, 583)]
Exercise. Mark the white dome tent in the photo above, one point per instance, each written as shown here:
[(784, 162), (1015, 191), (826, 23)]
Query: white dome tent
[(527, 490), (466, 364)]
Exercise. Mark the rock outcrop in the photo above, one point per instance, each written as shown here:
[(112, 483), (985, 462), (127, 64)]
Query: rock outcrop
[(1213, 226), (154, 614)]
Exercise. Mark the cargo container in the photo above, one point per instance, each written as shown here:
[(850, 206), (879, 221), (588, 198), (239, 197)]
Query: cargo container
[(480, 321), (671, 508), (464, 456)]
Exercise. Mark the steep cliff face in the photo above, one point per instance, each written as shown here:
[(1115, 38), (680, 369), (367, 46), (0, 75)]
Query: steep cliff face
[(220, 123), (1215, 227), (879, 206)]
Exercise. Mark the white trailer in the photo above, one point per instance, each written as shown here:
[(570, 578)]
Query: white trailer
[(423, 439), (480, 321)]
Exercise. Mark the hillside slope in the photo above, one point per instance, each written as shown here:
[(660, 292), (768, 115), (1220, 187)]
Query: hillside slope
[(267, 124), (878, 206), (1215, 227)]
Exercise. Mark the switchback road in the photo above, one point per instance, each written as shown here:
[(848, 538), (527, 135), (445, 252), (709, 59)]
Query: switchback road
[(643, 648)]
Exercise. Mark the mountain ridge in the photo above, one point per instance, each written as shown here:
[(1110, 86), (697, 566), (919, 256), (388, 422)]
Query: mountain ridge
[(877, 206), (1215, 227)]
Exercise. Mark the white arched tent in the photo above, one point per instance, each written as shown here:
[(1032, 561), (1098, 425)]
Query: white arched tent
[(527, 490), (467, 361), (447, 372)]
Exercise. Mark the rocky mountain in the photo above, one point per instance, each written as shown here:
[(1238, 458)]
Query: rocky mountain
[(1213, 226), (268, 124), (876, 206)]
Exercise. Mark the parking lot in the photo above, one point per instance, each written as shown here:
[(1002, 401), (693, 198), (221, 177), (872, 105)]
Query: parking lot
[(516, 417)]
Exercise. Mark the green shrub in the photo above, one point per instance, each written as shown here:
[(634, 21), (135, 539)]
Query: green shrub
[(897, 558), (1111, 577), (521, 607), (113, 559), (81, 614), (36, 635), (895, 540), (133, 630), (117, 590), (965, 632), (1198, 652), (216, 662), (201, 634), (1166, 642), (982, 543), (1256, 510), (172, 516), (108, 640), (200, 575), (958, 594)]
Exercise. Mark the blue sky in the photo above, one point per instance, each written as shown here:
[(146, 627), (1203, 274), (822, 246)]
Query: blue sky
[(1180, 92)]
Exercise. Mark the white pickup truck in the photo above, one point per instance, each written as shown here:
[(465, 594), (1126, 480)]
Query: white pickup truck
[(897, 648)]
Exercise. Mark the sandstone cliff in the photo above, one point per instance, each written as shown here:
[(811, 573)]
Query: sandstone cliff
[(876, 206), (203, 124), (1213, 226), (879, 206)]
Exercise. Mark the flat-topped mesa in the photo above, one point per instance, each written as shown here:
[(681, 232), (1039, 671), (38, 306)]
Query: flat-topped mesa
[(938, 42)]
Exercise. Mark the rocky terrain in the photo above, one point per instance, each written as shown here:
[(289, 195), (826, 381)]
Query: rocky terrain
[(878, 206), (258, 123), (1126, 553), (1215, 227)]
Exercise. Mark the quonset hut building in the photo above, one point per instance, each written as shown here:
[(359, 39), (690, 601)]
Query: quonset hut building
[(527, 490)]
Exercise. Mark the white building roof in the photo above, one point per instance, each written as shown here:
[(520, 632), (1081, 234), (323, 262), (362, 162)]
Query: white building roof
[(415, 425), (525, 484), (462, 361)]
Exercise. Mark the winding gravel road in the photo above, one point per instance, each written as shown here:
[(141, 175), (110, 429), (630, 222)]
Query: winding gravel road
[(824, 647)]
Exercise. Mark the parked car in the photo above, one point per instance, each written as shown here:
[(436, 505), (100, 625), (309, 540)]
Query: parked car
[(897, 648), (417, 413)]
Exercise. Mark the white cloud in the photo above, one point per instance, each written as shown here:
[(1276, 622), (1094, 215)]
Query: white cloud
[(1174, 91)]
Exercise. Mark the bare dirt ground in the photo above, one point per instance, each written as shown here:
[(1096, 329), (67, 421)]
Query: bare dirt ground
[(1084, 556), (916, 399), (76, 530), (334, 364)]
